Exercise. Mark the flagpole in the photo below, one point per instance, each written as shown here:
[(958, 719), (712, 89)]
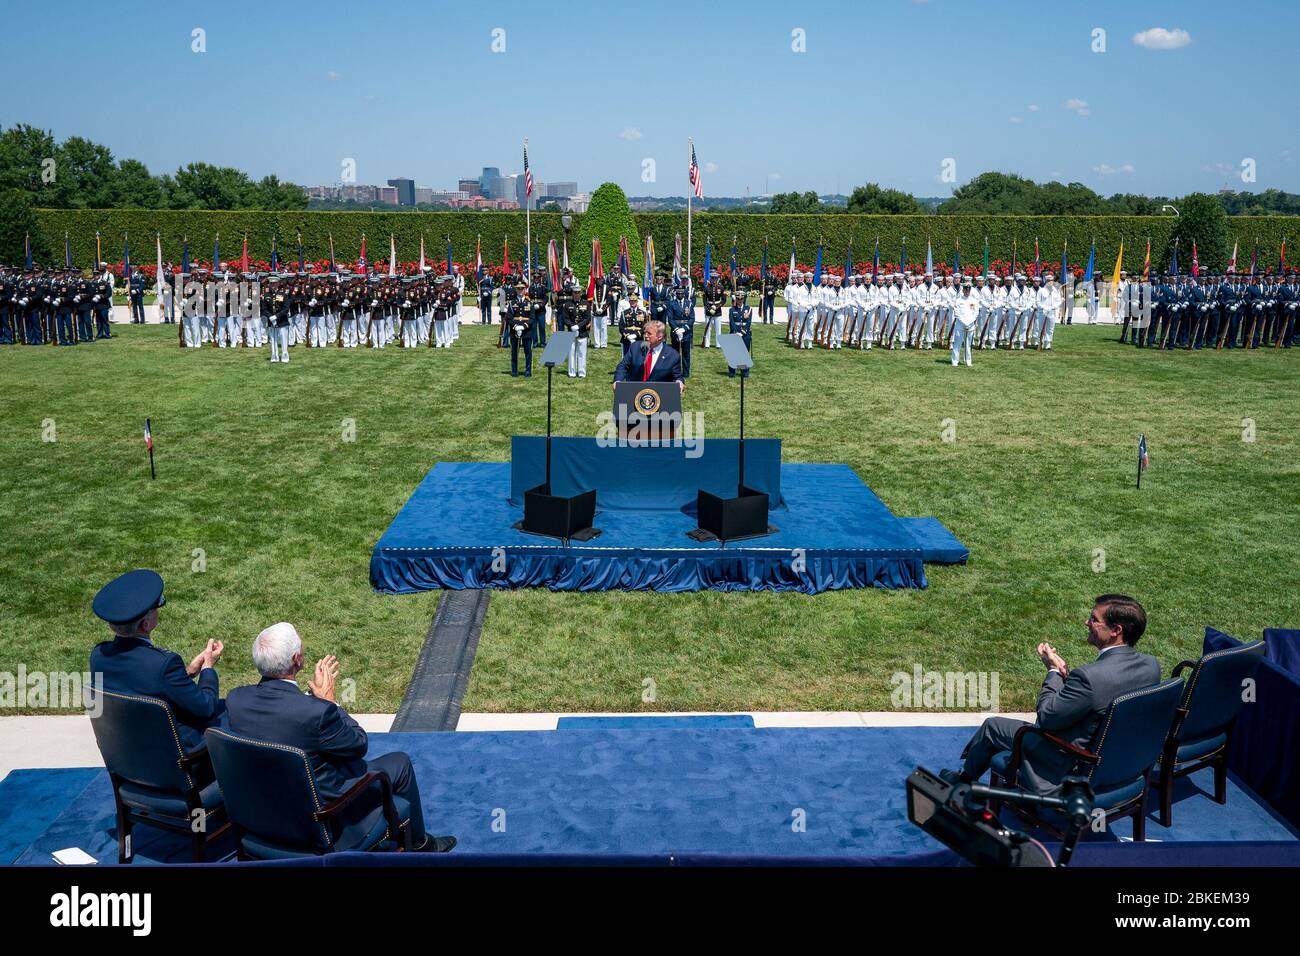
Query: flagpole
[(690, 194), (153, 475), (528, 222)]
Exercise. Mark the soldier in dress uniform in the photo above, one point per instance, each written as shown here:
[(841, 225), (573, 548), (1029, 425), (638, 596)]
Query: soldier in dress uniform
[(714, 300), (518, 318), (767, 302), (537, 296), (681, 325), (740, 321), (275, 303), (486, 289), (579, 319), (137, 297), (132, 664), (631, 319)]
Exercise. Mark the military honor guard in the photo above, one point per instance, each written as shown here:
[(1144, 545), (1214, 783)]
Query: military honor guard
[(680, 317), (965, 318), (486, 290), (714, 299), (767, 299), (579, 321), (517, 319), (275, 298), (631, 319)]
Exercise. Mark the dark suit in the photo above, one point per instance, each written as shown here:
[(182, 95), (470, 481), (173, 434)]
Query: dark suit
[(1071, 708), (277, 711), (133, 665), (668, 367)]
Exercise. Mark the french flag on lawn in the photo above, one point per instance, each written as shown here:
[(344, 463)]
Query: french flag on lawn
[(148, 436), (1143, 459)]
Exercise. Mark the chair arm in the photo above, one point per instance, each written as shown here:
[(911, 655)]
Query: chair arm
[(1178, 669), (1087, 756), (390, 810), (200, 756)]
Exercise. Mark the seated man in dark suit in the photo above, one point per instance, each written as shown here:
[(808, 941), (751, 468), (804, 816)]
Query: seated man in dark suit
[(1071, 703), (651, 360), (132, 664), (276, 710)]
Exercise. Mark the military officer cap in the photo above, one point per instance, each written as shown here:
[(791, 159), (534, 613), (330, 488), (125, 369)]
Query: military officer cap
[(129, 597), (966, 282), (979, 278)]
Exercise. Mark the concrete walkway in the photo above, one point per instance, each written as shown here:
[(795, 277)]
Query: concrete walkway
[(68, 741)]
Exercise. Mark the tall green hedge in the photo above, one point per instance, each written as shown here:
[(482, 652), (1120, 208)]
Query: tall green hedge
[(463, 227)]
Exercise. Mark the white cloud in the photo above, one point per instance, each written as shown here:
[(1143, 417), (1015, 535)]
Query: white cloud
[(1106, 169), (630, 133), (710, 167), (1014, 119), (773, 175), (1158, 38), (1084, 112), (332, 75), (1077, 105), (1032, 107)]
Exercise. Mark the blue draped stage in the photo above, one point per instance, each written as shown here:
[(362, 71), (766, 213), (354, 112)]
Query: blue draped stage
[(456, 530)]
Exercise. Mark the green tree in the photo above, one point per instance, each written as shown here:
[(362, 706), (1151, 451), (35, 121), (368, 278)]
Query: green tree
[(135, 188), (807, 202), (607, 218), (871, 199), (17, 221), (1202, 220), (204, 186)]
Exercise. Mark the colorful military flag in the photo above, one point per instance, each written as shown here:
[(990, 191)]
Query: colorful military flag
[(875, 260), (158, 268), (735, 267), (708, 259), (1119, 266), (902, 259), (478, 259), (647, 279), (1173, 261), (1065, 260), (986, 257), (126, 260), (596, 271), (848, 261), (302, 264), (67, 252), (99, 253), (792, 267), (1254, 258), (505, 257), (677, 258), (817, 269), (1196, 265), (553, 264), (361, 259), (1146, 264), (216, 252), (333, 267), (243, 257), (956, 259), (1038, 263), (762, 267), (275, 256), (27, 251), (929, 259), (392, 255), (624, 257), (1232, 263), (185, 257), (1281, 258), (1092, 262)]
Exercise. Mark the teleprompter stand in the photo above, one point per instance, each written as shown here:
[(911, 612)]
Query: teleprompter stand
[(557, 516)]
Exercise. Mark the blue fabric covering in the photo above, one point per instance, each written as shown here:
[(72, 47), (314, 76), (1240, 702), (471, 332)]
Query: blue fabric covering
[(1282, 647), (446, 533), (641, 479), (1266, 738), (938, 544), (679, 791), (31, 799), (633, 722)]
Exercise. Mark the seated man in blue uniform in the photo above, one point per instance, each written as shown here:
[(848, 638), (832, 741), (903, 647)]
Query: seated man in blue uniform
[(1072, 702), (276, 710), (651, 360), (132, 664)]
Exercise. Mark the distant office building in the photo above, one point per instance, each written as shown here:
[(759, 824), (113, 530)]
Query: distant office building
[(423, 195), (492, 184), (560, 189), (578, 202), (470, 186), (530, 202), (405, 191), (387, 195)]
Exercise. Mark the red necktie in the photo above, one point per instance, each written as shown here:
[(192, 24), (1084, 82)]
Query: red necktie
[(649, 358)]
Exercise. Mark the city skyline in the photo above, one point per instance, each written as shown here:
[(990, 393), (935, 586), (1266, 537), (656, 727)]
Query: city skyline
[(948, 95)]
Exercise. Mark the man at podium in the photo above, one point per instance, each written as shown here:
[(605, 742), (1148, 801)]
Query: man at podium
[(651, 360)]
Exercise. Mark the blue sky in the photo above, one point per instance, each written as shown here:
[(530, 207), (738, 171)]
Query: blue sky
[(885, 92)]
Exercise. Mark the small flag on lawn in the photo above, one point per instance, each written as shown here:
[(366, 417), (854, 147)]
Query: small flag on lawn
[(1143, 459), (148, 443)]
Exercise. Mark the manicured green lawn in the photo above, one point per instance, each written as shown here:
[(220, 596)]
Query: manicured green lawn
[(254, 472)]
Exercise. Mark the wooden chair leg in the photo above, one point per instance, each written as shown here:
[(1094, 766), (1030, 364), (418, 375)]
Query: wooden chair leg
[(1221, 777), (1140, 820), (198, 847), (1166, 788)]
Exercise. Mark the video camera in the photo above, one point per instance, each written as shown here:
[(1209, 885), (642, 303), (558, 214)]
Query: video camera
[(958, 816)]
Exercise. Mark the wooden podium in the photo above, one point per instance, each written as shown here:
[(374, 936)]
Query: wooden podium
[(647, 411)]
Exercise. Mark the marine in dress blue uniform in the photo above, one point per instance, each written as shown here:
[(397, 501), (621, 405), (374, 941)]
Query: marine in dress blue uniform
[(740, 320)]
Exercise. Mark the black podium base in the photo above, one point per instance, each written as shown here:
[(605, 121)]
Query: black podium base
[(559, 516), (730, 519)]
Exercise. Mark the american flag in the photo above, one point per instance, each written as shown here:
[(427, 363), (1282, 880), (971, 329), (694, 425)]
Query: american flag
[(528, 174), (1143, 460), (696, 183), (148, 436)]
